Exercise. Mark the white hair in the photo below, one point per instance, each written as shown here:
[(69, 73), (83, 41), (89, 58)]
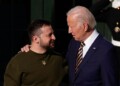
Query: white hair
[(83, 14)]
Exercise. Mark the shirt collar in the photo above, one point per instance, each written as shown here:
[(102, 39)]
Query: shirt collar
[(91, 38), (89, 41)]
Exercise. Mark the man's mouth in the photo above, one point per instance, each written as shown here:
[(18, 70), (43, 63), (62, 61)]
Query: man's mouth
[(52, 44)]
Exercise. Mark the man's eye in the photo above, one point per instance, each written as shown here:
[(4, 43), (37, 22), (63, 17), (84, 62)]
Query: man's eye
[(51, 34)]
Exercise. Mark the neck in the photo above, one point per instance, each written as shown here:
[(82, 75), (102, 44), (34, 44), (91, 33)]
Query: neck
[(86, 35), (38, 49)]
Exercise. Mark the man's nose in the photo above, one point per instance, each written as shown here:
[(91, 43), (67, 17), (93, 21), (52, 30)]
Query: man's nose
[(53, 37), (69, 30)]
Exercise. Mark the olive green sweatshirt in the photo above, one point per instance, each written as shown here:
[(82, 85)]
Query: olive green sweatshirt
[(33, 69)]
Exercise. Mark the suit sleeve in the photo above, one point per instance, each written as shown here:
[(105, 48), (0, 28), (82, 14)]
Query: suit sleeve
[(109, 69)]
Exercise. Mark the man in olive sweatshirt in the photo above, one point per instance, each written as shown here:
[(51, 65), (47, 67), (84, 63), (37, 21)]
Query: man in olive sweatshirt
[(41, 66)]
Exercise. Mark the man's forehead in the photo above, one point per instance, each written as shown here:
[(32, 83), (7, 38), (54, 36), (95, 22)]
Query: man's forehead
[(47, 29)]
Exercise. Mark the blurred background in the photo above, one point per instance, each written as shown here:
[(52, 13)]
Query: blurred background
[(15, 15)]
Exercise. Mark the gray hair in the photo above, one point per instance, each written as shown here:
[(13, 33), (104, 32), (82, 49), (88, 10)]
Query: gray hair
[(83, 14)]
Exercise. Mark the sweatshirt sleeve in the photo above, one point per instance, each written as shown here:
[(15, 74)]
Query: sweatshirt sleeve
[(12, 74)]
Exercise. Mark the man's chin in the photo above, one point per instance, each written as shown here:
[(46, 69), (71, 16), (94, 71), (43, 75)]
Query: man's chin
[(75, 39)]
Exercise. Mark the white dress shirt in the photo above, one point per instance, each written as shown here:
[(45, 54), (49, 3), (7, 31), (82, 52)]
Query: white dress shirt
[(89, 41)]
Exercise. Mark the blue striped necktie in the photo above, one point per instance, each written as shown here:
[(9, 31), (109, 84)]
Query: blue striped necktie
[(79, 57)]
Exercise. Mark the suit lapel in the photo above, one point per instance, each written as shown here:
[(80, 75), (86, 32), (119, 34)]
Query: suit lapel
[(90, 52)]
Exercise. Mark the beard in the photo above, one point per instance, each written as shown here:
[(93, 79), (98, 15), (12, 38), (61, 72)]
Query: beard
[(49, 45)]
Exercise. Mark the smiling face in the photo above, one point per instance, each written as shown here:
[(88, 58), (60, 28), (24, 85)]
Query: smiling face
[(47, 37), (76, 28)]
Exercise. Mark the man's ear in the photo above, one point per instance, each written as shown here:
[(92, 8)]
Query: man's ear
[(86, 27), (35, 38)]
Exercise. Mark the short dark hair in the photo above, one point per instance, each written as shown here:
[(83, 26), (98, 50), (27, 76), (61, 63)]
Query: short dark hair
[(35, 25)]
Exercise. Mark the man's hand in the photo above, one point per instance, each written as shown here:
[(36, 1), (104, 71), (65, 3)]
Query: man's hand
[(25, 48)]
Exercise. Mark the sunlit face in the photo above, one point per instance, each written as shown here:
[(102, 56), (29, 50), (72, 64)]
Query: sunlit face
[(47, 37), (75, 28)]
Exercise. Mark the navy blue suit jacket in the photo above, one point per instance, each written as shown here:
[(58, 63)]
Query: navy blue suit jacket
[(99, 66)]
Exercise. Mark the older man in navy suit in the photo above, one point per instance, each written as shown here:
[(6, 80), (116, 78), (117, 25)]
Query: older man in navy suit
[(98, 66)]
